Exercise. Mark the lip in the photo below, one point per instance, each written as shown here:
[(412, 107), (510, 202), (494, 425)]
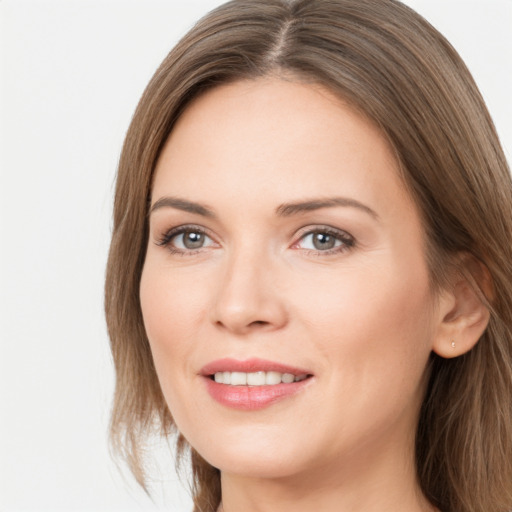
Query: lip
[(250, 365), (250, 398)]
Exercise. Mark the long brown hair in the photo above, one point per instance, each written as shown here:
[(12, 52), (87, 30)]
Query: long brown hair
[(390, 64)]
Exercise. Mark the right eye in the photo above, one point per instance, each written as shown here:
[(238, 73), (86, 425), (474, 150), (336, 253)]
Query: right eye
[(186, 239), (189, 240)]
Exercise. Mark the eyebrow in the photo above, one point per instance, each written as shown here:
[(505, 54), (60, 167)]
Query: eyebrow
[(289, 209), (283, 210), (182, 204)]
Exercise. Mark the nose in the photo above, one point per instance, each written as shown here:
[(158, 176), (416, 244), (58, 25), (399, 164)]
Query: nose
[(248, 296)]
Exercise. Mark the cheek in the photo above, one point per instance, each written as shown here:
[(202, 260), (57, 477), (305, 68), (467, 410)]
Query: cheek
[(372, 329), (175, 312), (376, 294), (376, 317), (172, 301), (172, 308)]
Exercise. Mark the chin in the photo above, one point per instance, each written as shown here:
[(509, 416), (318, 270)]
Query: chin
[(255, 466), (252, 455)]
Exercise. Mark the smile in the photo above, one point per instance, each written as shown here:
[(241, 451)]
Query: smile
[(257, 378), (253, 384)]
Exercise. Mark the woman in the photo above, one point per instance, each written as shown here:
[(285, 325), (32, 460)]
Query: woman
[(309, 276)]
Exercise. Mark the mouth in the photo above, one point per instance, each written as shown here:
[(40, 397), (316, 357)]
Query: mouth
[(254, 383), (259, 378), (253, 372)]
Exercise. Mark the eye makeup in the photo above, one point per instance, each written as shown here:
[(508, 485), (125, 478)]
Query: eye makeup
[(320, 240)]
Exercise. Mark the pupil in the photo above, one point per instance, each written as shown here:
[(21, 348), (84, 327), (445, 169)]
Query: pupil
[(323, 241), (193, 240)]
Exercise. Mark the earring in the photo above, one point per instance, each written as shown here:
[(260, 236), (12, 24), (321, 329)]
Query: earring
[(453, 344)]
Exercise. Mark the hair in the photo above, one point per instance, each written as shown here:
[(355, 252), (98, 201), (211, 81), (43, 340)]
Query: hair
[(391, 65)]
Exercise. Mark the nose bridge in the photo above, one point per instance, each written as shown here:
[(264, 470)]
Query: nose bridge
[(246, 298)]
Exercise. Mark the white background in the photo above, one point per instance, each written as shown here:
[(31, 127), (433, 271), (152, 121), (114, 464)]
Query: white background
[(71, 73)]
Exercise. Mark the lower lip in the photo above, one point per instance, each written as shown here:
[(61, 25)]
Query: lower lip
[(250, 398)]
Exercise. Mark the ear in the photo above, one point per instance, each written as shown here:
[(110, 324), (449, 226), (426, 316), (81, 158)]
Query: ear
[(463, 313)]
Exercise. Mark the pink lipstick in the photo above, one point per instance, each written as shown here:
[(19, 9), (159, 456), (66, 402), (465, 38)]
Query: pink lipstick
[(254, 383)]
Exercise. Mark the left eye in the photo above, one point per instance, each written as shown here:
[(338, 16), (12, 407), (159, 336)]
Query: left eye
[(324, 241)]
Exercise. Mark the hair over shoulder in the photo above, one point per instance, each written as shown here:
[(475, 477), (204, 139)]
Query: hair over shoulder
[(391, 65)]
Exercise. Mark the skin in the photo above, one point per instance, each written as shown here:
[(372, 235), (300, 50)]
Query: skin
[(363, 319)]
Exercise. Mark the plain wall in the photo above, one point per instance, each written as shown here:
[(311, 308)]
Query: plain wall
[(71, 73)]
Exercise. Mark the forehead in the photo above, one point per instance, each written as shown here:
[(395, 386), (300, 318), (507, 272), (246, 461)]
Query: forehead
[(272, 141)]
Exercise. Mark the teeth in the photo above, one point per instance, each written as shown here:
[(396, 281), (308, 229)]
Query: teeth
[(257, 378), (238, 378), (288, 378), (273, 378)]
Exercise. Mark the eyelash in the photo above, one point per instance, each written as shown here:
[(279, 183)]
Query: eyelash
[(347, 240), (166, 239)]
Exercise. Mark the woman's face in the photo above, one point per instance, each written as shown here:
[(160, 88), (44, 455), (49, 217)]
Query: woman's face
[(282, 242)]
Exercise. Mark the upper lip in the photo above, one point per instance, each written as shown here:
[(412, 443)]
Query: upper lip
[(250, 365)]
